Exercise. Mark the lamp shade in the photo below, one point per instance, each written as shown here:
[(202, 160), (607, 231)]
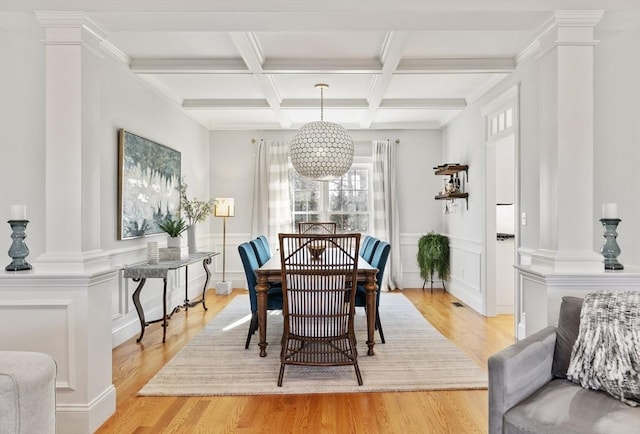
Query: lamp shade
[(322, 150), (224, 207)]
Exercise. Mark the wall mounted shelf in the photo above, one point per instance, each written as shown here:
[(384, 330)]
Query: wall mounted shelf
[(458, 190)]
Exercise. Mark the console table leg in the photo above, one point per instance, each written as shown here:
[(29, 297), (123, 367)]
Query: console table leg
[(205, 265), (136, 303), (186, 288), (164, 310)]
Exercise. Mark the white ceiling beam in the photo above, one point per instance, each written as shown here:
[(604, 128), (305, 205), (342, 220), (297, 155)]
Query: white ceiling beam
[(424, 103), (332, 103), (391, 54), (213, 104), (319, 66), (322, 66), (455, 66), (345, 103), (249, 48), (189, 66)]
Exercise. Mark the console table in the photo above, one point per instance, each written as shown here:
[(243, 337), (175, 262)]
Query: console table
[(142, 272)]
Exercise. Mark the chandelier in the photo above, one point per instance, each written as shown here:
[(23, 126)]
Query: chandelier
[(322, 150)]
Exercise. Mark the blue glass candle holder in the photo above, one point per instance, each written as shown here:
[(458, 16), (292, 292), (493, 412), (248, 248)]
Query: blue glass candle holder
[(18, 250), (610, 249)]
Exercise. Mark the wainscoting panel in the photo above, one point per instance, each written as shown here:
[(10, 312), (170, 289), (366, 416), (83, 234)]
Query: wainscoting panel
[(466, 272), (45, 326)]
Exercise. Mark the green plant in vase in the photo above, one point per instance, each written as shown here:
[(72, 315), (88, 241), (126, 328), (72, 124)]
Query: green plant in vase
[(433, 257), (174, 227)]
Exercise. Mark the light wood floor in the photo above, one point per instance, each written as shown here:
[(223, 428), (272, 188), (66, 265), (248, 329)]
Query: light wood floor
[(402, 412)]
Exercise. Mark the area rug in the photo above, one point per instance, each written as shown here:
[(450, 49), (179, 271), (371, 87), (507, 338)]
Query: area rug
[(415, 357)]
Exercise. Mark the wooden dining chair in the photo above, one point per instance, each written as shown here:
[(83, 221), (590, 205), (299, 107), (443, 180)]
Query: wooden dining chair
[(317, 227), (319, 279)]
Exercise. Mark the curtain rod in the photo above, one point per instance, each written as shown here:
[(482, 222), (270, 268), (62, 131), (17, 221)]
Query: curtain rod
[(396, 141)]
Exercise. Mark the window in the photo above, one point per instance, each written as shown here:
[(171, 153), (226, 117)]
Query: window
[(346, 201)]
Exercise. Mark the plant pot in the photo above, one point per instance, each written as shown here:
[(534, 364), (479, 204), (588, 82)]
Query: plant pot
[(174, 241)]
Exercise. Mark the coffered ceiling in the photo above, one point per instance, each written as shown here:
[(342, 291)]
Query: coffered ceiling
[(253, 64)]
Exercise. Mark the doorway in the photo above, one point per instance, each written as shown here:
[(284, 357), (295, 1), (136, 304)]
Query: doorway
[(501, 205)]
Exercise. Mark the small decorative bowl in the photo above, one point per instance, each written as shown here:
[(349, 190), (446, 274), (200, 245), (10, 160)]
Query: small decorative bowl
[(316, 250)]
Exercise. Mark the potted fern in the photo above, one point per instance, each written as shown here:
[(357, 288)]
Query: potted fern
[(174, 227), (433, 257)]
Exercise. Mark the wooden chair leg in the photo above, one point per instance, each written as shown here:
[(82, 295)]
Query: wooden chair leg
[(379, 327), (281, 375), (253, 326)]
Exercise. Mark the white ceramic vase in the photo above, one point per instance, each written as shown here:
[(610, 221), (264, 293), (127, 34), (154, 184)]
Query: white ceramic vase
[(191, 239)]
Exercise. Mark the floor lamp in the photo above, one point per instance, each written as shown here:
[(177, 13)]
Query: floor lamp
[(224, 207)]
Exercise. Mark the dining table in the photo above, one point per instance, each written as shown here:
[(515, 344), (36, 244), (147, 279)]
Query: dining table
[(270, 272)]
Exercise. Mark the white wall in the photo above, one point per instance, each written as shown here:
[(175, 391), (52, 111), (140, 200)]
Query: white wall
[(21, 128), (232, 174), (617, 130)]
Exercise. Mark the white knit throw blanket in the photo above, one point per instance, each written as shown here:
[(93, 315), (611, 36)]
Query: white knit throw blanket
[(606, 355)]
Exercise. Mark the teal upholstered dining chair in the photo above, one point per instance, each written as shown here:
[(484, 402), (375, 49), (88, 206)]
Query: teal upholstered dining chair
[(365, 242), (274, 295), (261, 251), (367, 251), (265, 241), (378, 260)]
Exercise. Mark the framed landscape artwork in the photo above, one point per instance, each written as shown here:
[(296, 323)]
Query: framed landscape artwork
[(148, 185)]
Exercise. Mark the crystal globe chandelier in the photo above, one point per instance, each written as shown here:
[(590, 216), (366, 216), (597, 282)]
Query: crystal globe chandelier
[(322, 150)]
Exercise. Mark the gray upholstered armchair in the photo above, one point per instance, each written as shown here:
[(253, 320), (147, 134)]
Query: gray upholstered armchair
[(529, 392)]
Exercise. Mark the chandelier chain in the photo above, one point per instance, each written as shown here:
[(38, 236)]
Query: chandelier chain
[(322, 103)]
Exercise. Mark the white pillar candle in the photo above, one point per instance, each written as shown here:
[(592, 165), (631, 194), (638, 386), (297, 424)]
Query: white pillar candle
[(18, 212), (609, 210)]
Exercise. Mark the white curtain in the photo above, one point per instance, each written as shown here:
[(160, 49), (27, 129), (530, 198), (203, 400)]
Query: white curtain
[(386, 225), (271, 199)]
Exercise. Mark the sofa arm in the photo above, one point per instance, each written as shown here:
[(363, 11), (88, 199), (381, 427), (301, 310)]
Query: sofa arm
[(518, 371)]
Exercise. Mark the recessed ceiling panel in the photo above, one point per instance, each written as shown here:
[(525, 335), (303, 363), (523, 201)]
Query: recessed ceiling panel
[(466, 44), (199, 86), (338, 116), (340, 85), (319, 45), (413, 116), (237, 119), (438, 85), (174, 44)]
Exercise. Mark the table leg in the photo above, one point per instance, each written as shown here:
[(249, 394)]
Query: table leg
[(186, 288), (164, 310), (205, 265), (262, 286), (371, 287), (136, 303)]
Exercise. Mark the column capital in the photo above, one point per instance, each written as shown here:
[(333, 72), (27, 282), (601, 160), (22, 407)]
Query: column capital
[(76, 28), (567, 29)]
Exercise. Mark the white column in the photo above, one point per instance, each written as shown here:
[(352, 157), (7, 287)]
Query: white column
[(63, 307), (565, 63), (72, 146)]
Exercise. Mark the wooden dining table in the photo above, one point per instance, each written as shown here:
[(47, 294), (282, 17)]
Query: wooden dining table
[(270, 272)]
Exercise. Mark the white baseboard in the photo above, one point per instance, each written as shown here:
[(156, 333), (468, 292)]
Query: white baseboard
[(82, 419)]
